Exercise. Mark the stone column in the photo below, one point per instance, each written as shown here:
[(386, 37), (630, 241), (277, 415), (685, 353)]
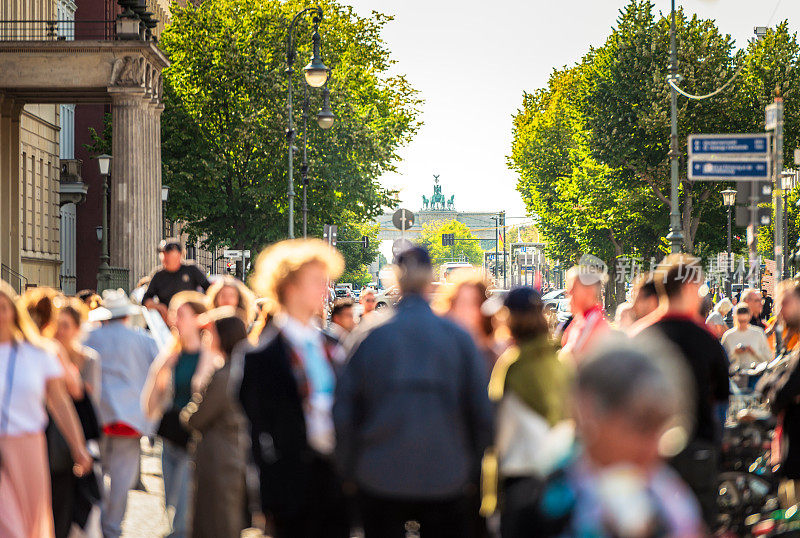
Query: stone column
[(126, 219), (10, 217)]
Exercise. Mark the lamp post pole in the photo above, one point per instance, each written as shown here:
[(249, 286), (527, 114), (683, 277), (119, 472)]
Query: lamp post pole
[(675, 235), (104, 271), (729, 199), (304, 165), (728, 284), (316, 75)]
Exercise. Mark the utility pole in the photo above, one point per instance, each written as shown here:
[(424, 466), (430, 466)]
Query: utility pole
[(505, 282)]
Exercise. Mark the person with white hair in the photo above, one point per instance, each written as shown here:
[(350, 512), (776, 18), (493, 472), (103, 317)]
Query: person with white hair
[(589, 325), (618, 483), (716, 319)]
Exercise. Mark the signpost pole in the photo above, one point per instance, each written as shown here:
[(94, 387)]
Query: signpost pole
[(777, 169)]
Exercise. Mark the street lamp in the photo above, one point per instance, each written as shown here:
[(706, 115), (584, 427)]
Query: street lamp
[(316, 74), (675, 235), (325, 117), (164, 198), (729, 199), (104, 271)]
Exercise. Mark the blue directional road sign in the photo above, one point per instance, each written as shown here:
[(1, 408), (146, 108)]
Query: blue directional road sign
[(728, 145), (705, 169)]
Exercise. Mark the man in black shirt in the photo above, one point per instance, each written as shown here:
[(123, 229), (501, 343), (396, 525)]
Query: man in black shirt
[(175, 275), (679, 279), (766, 313)]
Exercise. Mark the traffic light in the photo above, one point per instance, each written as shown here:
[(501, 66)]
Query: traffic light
[(448, 240), (330, 233), (365, 242)]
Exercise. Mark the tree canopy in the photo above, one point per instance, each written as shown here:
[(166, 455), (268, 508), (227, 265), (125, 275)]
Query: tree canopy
[(592, 148), (224, 126), (466, 247)]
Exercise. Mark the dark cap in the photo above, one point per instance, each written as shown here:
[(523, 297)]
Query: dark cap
[(523, 299), (741, 308), (416, 256), (170, 244)]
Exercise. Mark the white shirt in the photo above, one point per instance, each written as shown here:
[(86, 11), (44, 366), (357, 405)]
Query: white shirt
[(33, 368), (754, 338), (318, 410)]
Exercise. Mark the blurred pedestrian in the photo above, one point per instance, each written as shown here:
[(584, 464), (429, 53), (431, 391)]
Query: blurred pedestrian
[(781, 337), (32, 379), (784, 400), (644, 296), (618, 484), (752, 298), (174, 276), (230, 291), (343, 319), (766, 311), (589, 325), (462, 302), (679, 280), (745, 343), (175, 375), (529, 387), (76, 499), (90, 298), (625, 316), (716, 319), (412, 416), (368, 301), (287, 386), (126, 354), (219, 447)]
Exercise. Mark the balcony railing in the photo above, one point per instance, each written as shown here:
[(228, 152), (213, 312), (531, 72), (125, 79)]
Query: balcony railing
[(63, 30)]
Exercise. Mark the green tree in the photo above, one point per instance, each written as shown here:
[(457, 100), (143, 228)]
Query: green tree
[(431, 238), (356, 257), (224, 144)]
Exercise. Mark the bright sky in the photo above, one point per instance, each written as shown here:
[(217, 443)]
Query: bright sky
[(471, 60)]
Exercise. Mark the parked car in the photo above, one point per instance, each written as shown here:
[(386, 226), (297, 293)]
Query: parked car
[(552, 297), (344, 292), (388, 297)]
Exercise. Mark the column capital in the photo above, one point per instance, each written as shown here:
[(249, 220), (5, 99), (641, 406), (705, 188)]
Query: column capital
[(126, 96)]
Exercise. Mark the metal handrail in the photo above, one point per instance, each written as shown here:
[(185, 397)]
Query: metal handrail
[(22, 281)]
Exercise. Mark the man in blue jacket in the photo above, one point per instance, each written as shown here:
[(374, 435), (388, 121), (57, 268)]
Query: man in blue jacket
[(412, 416)]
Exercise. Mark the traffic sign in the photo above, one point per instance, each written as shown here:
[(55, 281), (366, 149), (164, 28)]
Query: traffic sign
[(403, 219), (235, 254), (708, 169), (771, 116), (400, 245), (728, 145)]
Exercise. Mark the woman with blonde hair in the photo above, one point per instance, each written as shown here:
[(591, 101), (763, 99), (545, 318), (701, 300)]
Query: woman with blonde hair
[(175, 375), (287, 385), (31, 379), (229, 291), (462, 301)]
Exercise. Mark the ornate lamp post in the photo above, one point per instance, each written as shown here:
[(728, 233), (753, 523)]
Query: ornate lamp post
[(325, 119), (729, 199), (104, 271), (675, 235), (316, 74)]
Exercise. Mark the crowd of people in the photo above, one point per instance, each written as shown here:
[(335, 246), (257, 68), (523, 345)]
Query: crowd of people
[(464, 414)]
